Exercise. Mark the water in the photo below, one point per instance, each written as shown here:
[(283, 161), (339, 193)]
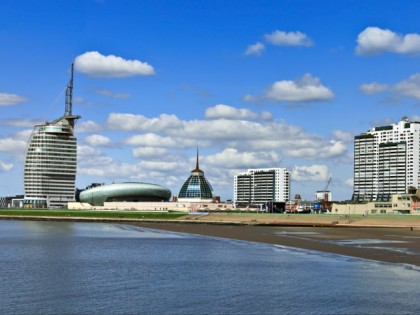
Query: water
[(94, 268)]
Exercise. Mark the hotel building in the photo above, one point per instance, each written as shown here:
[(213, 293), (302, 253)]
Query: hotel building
[(386, 161), (51, 161), (261, 186)]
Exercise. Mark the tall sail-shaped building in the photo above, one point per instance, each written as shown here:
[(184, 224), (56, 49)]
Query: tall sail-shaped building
[(51, 160)]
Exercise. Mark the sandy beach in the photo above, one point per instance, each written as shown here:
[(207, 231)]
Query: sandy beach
[(393, 239)]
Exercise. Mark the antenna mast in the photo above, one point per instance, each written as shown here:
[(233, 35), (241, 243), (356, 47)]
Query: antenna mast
[(69, 95)]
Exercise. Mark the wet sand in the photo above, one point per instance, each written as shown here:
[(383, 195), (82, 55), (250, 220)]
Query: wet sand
[(394, 241), (387, 239)]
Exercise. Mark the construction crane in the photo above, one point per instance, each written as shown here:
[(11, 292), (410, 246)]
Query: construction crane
[(326, 190)]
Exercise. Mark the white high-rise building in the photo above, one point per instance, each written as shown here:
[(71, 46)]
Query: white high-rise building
[(260, 186), (51, 161), (386, 161)]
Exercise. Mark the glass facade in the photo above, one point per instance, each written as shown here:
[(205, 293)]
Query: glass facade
[(196, 186)]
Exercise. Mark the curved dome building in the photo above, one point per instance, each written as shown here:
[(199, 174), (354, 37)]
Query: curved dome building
[(196, 188), (133, 192)]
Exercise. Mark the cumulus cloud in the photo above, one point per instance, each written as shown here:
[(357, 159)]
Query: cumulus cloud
[(7, 99), (374, 41), (20, 123), (343, 136), (147, 152), (310, 173), (12, 145), (409, 87), (281, 38), (255, 49), (373, 88), (333, 149), (305, 89), (98, 140), (241, 134), (227, 147), (4, 167), (151, 140), (95, 64), (88, 126), (84, 151), (232, 158), (406, 88), (109, 93), (222, 111), (132, 122)]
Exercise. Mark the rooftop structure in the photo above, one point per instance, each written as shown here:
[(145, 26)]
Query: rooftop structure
[(51, 160), (196, 188)]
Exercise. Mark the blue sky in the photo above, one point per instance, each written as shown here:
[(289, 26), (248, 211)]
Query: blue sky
[(252, 84)]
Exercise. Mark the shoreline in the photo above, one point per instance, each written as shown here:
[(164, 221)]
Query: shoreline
[(392, 240)]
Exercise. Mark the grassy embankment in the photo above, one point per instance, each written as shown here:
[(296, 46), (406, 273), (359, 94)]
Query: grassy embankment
[(90, 214)]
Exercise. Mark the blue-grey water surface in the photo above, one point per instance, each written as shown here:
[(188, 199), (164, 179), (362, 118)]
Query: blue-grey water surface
[(95, 268)]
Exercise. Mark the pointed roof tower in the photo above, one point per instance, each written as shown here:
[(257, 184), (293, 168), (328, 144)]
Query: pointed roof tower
[(196, 188), (197, 167)]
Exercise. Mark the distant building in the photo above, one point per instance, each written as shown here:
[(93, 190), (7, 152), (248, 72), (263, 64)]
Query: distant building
[(397, 204), (51, 161), (196, 188), (259, 186), (97, 195), (386, 161)]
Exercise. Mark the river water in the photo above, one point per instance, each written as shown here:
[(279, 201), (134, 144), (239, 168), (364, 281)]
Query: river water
[(95, 268)]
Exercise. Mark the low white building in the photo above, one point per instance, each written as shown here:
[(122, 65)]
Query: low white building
[(399, 204)]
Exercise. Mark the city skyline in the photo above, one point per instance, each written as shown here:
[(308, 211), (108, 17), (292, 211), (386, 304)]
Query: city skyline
[(273, 84)]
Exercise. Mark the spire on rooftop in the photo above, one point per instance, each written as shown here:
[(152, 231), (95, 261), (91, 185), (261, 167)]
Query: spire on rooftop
[(197, 167)]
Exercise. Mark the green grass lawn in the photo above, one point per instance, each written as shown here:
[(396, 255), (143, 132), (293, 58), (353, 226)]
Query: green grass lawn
[(91, 214)]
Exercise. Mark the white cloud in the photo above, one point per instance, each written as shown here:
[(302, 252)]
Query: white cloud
[(374, 41), (343, 136), (88, 126), (109, 93), (310, 173), (97, 65), (333, 149), (232, 158), (409, 87), (98, 140), (5, 166), (305, 89), (147, 152), (131, 122), (151, 140), (7, 99), (222, 111), (243, 135), (373, 88), (281, 38), (12, 145), (255, 49), (84, 151)]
